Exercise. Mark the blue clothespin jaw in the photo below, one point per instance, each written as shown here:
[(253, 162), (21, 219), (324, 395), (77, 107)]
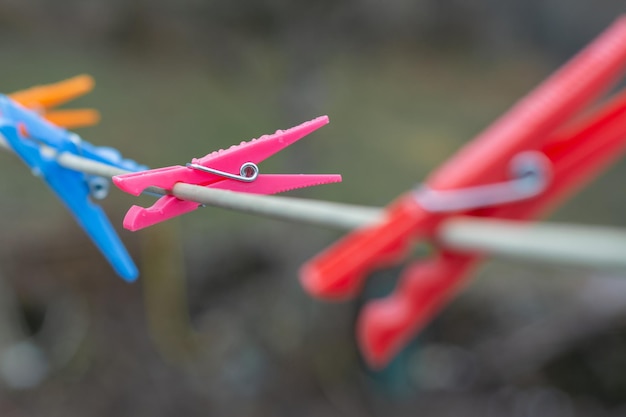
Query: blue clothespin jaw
[(74, 188)]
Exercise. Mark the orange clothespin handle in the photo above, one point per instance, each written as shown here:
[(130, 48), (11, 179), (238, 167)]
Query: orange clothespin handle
[(44, 98)]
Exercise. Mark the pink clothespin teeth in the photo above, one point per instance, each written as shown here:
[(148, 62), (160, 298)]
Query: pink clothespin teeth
[(233, 169)]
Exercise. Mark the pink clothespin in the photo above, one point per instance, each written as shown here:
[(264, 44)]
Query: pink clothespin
[(232, 169)]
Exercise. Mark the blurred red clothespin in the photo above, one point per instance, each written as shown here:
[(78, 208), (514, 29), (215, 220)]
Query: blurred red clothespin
[(522, 166)]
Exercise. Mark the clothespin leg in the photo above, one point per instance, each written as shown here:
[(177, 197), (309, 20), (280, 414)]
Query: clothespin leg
[(165, 208), (385, 325), (340, 271), (93, 220), (51, 95)]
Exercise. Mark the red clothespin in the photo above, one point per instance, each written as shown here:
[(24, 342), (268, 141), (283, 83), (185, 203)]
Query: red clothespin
[(232, 169), (519, 168)]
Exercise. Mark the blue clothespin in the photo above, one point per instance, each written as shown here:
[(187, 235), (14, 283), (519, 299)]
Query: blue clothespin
[(74, 188)]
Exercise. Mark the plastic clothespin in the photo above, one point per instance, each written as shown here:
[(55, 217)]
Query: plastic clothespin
[(43, 98), (25, 132), (521, 167), (232, 169)]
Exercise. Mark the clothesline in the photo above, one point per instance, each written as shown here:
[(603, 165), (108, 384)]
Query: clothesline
[(596, 247)]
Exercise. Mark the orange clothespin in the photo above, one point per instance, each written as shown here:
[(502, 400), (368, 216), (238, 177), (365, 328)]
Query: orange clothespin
[(44, 98), (521, 167)]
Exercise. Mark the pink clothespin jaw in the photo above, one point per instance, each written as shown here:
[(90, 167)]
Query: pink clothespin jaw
[(565, 157), (233, 169)]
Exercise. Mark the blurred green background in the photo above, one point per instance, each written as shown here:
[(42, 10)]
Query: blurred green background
[(217, 324)]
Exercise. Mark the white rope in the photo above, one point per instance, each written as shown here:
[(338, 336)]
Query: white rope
[(594, 247)]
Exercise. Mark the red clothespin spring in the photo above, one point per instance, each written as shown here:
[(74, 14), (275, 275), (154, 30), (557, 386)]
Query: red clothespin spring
[(522, 166)]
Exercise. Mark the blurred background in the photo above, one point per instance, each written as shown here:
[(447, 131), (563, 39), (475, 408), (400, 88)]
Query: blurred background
[(218, 324)]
